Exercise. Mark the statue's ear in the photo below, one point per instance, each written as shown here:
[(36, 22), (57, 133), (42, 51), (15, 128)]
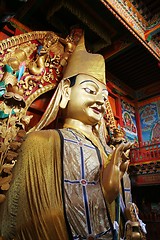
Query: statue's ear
[(66, 90)]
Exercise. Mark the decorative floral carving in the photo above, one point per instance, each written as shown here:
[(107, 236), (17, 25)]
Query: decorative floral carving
[(12, 131)]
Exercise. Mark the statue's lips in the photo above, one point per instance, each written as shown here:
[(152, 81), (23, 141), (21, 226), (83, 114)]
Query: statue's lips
[(96, 110)]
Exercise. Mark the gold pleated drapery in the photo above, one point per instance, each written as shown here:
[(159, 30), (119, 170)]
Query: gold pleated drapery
[(34, 207)]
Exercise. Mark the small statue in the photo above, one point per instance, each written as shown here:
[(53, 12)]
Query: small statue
[(134, 227)]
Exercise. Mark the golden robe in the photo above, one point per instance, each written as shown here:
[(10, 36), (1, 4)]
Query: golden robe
[(35, 208)]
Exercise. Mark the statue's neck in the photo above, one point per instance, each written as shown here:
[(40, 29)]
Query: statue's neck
[(86, 131), (78, 125)]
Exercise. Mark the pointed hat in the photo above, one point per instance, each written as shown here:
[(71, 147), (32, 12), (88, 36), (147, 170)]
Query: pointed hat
[(82, 62)]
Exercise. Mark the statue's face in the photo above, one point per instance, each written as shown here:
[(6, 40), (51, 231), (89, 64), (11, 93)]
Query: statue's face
[(87, 100)]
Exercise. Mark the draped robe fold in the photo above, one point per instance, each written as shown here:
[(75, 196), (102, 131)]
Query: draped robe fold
[(35, 197)]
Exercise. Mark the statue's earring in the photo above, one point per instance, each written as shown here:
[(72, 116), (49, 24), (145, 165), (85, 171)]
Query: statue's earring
[(66, 90)]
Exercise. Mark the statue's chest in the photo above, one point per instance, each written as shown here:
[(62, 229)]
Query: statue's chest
[(81, 160)]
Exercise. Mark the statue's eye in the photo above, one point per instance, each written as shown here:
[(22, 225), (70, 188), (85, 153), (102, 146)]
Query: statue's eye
[(88, 90)]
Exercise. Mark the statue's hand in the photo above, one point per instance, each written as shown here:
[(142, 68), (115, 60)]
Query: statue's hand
[(115, 169), (124, 156), (121, 155)]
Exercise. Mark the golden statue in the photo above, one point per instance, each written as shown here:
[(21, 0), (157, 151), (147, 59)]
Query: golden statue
[(65, 179)]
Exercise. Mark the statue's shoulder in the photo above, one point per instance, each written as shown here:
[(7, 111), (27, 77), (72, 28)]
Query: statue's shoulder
[(42, 137)]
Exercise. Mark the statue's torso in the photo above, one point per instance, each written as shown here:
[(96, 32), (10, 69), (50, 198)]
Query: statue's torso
[(34, 205), (84, 201)]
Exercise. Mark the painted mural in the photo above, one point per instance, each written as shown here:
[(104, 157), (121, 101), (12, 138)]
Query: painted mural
[(150, 121), (129, 121)]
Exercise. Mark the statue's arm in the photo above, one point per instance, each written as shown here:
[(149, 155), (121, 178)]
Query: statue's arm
[(114, 171)]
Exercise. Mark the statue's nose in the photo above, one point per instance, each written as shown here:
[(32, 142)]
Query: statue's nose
[(100, 99)]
